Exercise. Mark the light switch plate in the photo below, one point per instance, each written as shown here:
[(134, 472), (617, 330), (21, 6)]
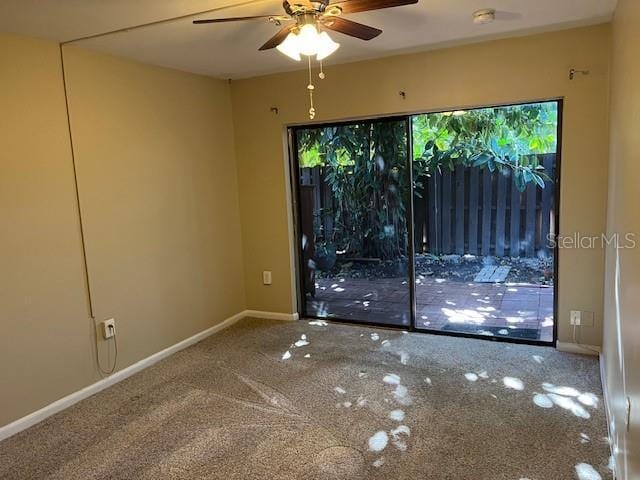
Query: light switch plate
[(266, 277)]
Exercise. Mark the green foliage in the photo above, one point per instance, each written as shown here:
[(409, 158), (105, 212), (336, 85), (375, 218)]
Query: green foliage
[(493, 138), (365, 166)]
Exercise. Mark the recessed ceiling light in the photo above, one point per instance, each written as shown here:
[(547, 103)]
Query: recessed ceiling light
[(486, 15)]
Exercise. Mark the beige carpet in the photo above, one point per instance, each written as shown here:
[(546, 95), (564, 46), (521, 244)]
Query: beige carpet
[(276, 400)]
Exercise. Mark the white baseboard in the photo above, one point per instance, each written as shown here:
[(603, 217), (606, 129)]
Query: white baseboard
[(571, 347), (65, 402), (608, 414), (271, 315), (59, 405)]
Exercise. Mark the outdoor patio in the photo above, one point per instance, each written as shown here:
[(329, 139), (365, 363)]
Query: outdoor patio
[(523, 311), (480, 221)]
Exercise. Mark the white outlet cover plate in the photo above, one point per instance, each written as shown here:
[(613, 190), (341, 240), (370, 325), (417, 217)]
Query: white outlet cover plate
[(106, 331), (575, 317)]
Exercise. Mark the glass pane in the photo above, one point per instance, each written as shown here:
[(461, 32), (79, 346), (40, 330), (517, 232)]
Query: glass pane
[(484, 207), (353, 187)]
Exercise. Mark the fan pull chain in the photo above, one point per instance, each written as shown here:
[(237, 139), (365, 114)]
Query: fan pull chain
[(321, 74), (311, 88)]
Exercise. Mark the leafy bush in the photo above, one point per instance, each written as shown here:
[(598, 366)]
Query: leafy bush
[(494, 138), (365, 165)]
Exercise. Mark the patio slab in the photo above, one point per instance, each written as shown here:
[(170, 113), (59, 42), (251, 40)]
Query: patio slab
[(508, 310)]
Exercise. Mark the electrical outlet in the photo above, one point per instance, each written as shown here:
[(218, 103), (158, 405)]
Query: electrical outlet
[(575, 317), (266, 277), (109, 328)]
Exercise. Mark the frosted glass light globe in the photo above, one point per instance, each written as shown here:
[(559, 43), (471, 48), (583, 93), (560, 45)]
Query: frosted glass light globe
[(290, 47), (308, 39)]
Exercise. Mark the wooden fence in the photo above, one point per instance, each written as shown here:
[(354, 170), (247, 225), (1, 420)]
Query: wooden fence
[(467, 211)]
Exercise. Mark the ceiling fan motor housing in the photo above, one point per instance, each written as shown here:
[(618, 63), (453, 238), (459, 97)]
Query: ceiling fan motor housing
[(299, 7)]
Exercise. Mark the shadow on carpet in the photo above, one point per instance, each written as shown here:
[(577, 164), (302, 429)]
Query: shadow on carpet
[(311, 400)]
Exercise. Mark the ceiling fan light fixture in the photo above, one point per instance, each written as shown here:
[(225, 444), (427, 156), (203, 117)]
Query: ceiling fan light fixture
[(290, 47), (307, 35), (308, 39), (326, 46)]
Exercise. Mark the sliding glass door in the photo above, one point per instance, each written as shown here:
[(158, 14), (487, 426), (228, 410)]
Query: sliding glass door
[(484, 214), (439, 222), (353, 194)]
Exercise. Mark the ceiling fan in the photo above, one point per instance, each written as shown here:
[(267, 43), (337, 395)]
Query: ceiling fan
[(306, 34), (319, 14)]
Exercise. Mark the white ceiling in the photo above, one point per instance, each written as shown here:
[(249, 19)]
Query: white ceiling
[(231, 50)]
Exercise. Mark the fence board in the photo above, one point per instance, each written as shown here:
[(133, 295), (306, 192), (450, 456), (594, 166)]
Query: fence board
[(501, 214), (307, 209), (547, 198), (420, 217), (328, 208), (474, 183), (305, 176), (459, 218), (530, 229), (433, 200), (446, 210), (486, 211), (460, 177), (316, 181), (514, 227)]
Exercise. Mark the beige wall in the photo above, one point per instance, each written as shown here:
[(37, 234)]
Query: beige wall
[(45, 342), (158, 189), (622, 293), (511, 70)]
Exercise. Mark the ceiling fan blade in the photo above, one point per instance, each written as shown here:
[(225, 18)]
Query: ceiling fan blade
[(354, 6), (236, 19), (353, 29), (278, 38)]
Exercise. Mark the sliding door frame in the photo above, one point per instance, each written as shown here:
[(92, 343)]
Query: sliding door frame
[(297, 220), (294, 166), (410, 222)]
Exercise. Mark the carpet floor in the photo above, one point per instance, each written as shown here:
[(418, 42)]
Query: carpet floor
[(310, 400)]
